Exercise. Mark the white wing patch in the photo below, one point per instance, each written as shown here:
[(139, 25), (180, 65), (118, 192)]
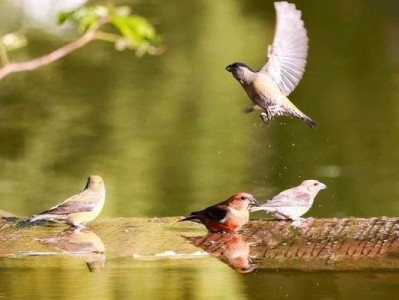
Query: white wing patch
[(288, 54)]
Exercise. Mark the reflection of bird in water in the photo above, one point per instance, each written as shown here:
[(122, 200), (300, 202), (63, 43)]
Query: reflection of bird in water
[(84, 244), (227, 216), (269, 87), (230, 248), (294, 202), (81, 208)]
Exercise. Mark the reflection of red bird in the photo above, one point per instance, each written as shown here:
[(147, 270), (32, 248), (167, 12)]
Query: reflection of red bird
[(227, 216), (231, 248)]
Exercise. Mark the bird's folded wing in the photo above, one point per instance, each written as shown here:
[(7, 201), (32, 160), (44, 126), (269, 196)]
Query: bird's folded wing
[(82, 202), (218, 212), (288, 198), (287, 56)]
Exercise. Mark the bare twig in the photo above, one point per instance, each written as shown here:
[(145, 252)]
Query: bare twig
[(3, 54), (50, 57)]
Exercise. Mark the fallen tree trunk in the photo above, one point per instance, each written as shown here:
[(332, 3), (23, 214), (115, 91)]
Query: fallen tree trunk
[(317, 244)]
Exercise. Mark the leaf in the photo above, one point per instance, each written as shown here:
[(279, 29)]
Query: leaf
[(63, 17), (134, 28), (85, 17)]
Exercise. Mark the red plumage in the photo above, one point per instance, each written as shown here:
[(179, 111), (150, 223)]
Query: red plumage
[(227, 216)]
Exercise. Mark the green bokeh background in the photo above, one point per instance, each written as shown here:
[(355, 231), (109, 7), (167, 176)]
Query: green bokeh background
[(166, 132), (168, 136)]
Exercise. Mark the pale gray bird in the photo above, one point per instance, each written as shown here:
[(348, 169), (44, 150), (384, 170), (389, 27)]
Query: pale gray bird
[(269, 87), (81, 208), (292, 203)]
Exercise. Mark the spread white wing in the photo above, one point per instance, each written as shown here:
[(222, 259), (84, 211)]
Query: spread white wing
[(287, 56)]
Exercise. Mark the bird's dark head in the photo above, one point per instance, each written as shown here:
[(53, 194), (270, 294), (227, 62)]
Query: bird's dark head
[(240, 71)]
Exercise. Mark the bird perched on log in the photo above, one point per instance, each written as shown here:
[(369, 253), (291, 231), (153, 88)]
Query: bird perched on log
[(79, 209), (269, 87), (227, 216), (292, 203)]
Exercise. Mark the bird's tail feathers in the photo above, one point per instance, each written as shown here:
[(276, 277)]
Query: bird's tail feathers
[(308, 121), (192, 218), (301, 116), (35, 218), (45, 217)]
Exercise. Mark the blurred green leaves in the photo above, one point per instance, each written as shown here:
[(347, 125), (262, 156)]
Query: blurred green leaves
[(87, 17), (94, 22), (129, 31), (13, 41)]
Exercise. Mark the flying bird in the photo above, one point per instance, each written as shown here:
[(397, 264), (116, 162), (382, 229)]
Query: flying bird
[(269, 87), (79, 209), (227, 216), (292, 203)]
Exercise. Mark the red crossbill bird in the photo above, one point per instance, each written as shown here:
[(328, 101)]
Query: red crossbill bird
[(269, 87), (79, 209), (227, 216), (294, 202)]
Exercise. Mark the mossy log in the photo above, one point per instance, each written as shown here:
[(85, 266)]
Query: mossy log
[(316, 244)]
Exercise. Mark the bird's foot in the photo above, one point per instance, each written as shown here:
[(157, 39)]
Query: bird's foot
[(270, 112), (265, 117), (299, 222), (78, 226)]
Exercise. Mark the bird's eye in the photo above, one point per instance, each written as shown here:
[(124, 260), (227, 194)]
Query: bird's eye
[(243, 198), (315, 184)]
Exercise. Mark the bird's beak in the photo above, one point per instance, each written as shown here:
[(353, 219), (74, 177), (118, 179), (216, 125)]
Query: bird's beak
[(323, 186), (229, 68), (253, 202)]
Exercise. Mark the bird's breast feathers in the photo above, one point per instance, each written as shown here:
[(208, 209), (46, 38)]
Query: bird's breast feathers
[(264, 90), (236, 217)]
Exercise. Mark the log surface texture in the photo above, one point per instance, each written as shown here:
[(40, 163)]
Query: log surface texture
[(317, 244)]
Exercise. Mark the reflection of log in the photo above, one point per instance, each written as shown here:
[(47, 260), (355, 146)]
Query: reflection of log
[(317, 244)]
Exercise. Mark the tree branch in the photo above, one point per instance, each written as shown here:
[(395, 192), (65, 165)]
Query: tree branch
[(48, 58)]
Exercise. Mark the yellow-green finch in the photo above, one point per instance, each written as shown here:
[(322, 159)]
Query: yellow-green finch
[(81, 208)]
